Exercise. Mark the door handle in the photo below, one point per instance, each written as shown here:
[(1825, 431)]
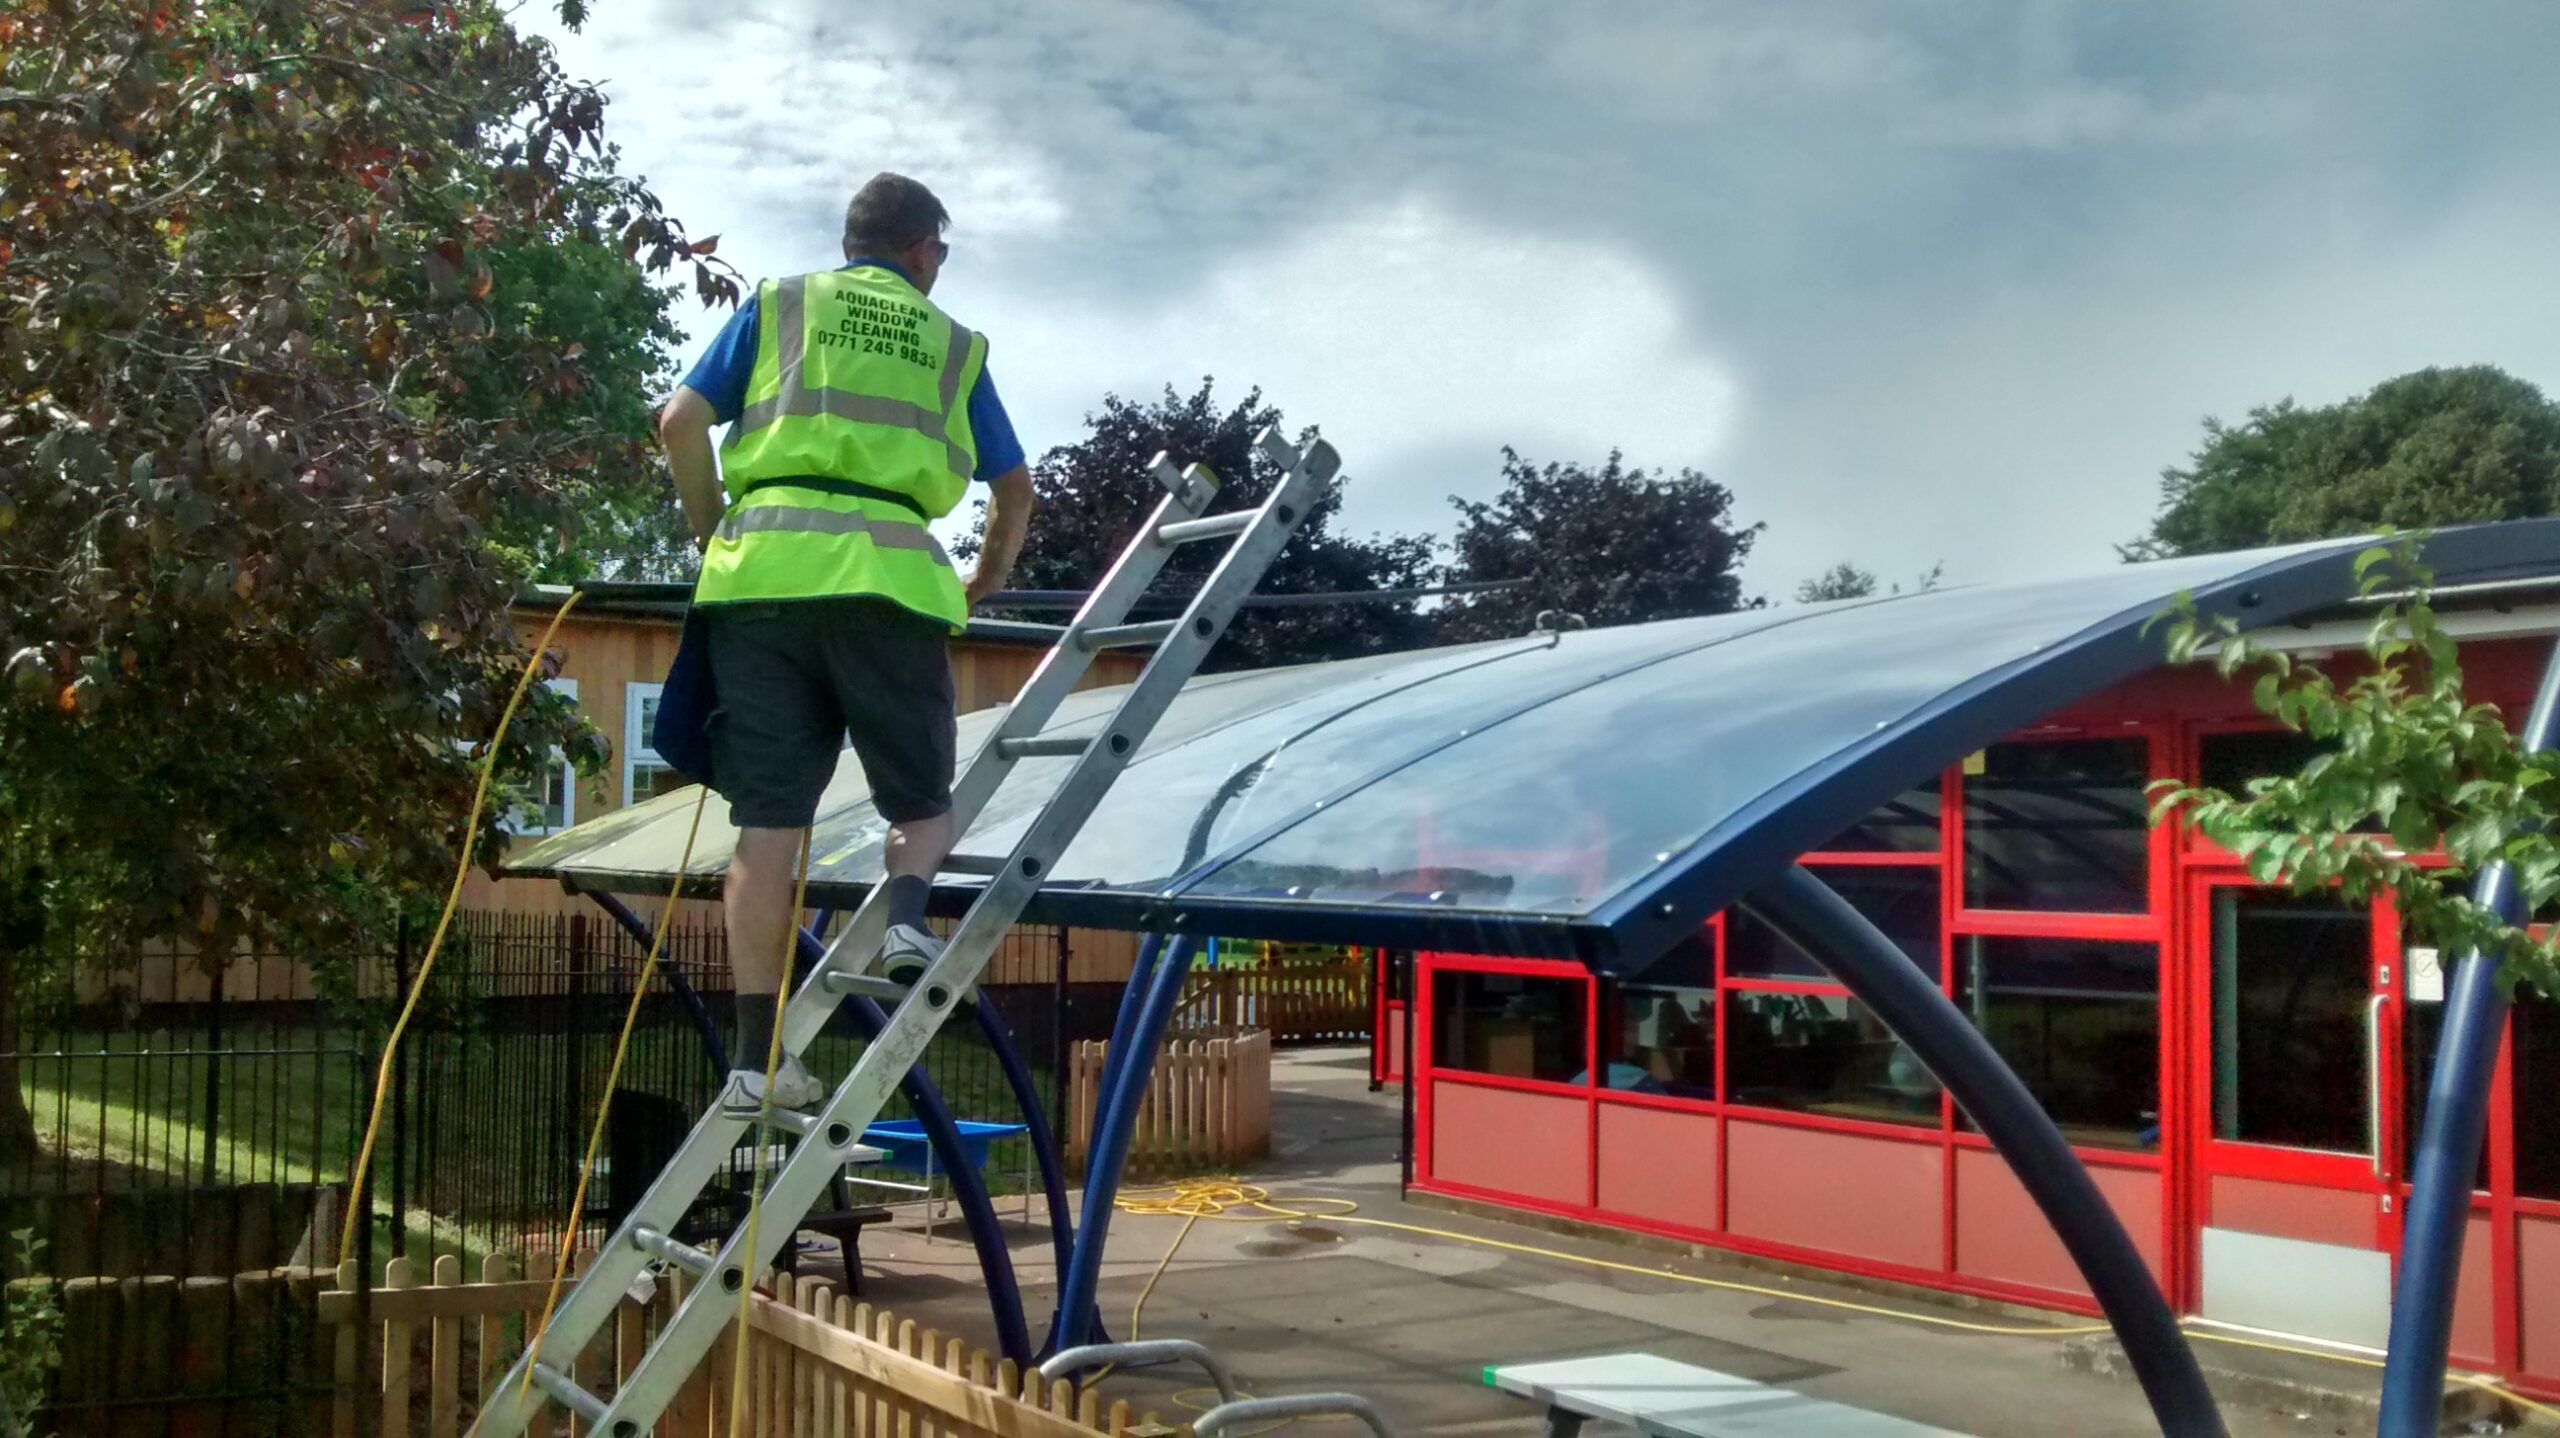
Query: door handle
[(2373, 1078)]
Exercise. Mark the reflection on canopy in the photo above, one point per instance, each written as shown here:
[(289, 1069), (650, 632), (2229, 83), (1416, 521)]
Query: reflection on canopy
[(1591, 794)]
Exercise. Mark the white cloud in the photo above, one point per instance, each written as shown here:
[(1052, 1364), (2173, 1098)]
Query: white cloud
[(1917, 282), (1408, 334)]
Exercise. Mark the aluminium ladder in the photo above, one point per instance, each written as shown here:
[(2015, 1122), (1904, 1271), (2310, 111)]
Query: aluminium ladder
[(820, 1140)]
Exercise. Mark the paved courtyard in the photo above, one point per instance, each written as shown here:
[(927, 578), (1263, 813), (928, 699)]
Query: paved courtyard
[(1411, 1320)]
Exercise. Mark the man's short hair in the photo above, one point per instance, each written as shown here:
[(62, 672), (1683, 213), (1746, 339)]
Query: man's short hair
[(889, 214)]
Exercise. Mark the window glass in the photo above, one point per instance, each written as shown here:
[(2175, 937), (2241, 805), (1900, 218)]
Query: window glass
[(2421, 1034), (2537, 1078), (1513, 1025), (644, 775), (2079, 1020), (1908, 825), (2292, 1050), (1821, 1053), (556, 806), (1904, 902), (1658, 1036), (2058, 825), (2229, 761)]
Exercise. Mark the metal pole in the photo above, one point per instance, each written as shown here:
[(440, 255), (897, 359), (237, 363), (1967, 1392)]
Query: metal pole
[(1920, 1014), (1115, 1114), (2448, 1151)]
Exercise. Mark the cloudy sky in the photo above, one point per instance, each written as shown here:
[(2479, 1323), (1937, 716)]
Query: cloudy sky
[(1921, 283)]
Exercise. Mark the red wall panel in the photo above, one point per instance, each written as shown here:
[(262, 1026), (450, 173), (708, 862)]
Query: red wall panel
[(2475, 1314), (2000, 1234), (1531, 1144), (1847, 1193), (2293, 1210), (2538, 1287), (1658, 1164)]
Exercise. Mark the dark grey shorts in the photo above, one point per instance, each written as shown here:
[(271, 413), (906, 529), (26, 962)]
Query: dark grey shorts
[(797, 678)]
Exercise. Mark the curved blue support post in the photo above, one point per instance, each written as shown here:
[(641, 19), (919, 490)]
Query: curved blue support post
[(1873, 968), (1144, 1016), (968, 1186), (630, 923), (1035, 1122), (2448, 1151)]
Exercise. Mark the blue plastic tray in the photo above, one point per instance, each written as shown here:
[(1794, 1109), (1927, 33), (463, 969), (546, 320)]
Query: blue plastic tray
[(904, 1142)]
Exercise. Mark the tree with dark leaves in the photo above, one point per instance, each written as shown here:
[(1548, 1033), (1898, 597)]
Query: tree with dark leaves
[(1097, 491), (1615, 545), (2428, 449), (296, 392)]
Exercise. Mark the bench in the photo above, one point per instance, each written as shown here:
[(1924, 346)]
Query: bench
[(1661, 1398), (845, 1226)]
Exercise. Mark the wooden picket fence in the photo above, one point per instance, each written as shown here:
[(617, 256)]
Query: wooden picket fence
[(1294, 1003), (1208, 1106), (819, 1364)]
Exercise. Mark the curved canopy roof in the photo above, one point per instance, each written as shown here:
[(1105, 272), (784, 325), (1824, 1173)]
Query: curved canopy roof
[(1594, 794)]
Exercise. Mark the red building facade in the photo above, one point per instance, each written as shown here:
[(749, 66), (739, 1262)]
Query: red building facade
[(2241, 1069)]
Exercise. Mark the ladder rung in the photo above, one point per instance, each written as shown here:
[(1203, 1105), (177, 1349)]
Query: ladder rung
[(1216, 526), (975, 863), (869, 986), (872, 986), (683, 1255), (789, 1120), (1124, 636), (1016, 629), (567, 1394), (1044, 746)]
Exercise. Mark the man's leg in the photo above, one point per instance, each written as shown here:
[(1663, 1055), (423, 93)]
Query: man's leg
[(762, 874), (774, 745), (915, 854)]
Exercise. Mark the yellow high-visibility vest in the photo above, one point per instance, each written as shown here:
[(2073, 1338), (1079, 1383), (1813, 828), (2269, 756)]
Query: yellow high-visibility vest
[(854, 435)]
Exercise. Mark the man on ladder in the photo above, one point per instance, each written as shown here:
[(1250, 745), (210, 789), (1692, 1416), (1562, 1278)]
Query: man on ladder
[(859, 413)]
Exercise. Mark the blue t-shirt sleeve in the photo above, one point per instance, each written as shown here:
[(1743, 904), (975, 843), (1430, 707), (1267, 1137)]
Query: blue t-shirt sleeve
[(721, 375), (998, 449)]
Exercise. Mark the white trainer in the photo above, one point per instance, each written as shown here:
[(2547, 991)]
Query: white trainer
[(794, 1087), (907, 952)]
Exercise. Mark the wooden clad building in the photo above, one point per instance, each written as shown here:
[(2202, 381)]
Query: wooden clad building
[(614, 655)]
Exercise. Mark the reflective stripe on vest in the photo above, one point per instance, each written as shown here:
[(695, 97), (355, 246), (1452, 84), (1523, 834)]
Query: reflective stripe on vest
[(797, 519), (858, 377)]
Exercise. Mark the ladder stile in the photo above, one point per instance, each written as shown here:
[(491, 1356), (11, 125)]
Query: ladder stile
[(946, 985)]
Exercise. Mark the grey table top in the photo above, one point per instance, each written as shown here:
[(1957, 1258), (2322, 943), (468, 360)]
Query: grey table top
[(1668, 1399)]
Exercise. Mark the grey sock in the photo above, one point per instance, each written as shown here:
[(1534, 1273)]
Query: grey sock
[(907, 894), (755, 1032)]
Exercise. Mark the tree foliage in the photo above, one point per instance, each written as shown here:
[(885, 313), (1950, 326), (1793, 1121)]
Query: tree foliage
[(1096, 492), (322, 324), (1615, 545), (2408, 767), (1841, 581), (1847, 581), (2425, 450)]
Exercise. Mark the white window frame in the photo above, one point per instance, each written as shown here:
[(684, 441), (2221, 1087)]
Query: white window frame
[(517, 820), (636, 749)]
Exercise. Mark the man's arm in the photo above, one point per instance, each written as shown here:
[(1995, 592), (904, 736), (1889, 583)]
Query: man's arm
[(684, 427), (1009, 506)]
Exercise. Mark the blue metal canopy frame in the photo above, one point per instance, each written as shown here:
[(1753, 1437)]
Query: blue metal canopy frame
[(1744, 854)]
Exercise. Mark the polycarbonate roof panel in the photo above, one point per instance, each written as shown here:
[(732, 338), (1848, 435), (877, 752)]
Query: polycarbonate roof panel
[(1594, 793)]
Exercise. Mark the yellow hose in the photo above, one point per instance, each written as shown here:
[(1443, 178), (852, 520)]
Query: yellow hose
[(360, 1211), (604, 1106), (1230, 1200)]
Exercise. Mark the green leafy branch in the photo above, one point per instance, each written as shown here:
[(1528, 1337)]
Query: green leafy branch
[(30, 1338), (2409, 772)]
